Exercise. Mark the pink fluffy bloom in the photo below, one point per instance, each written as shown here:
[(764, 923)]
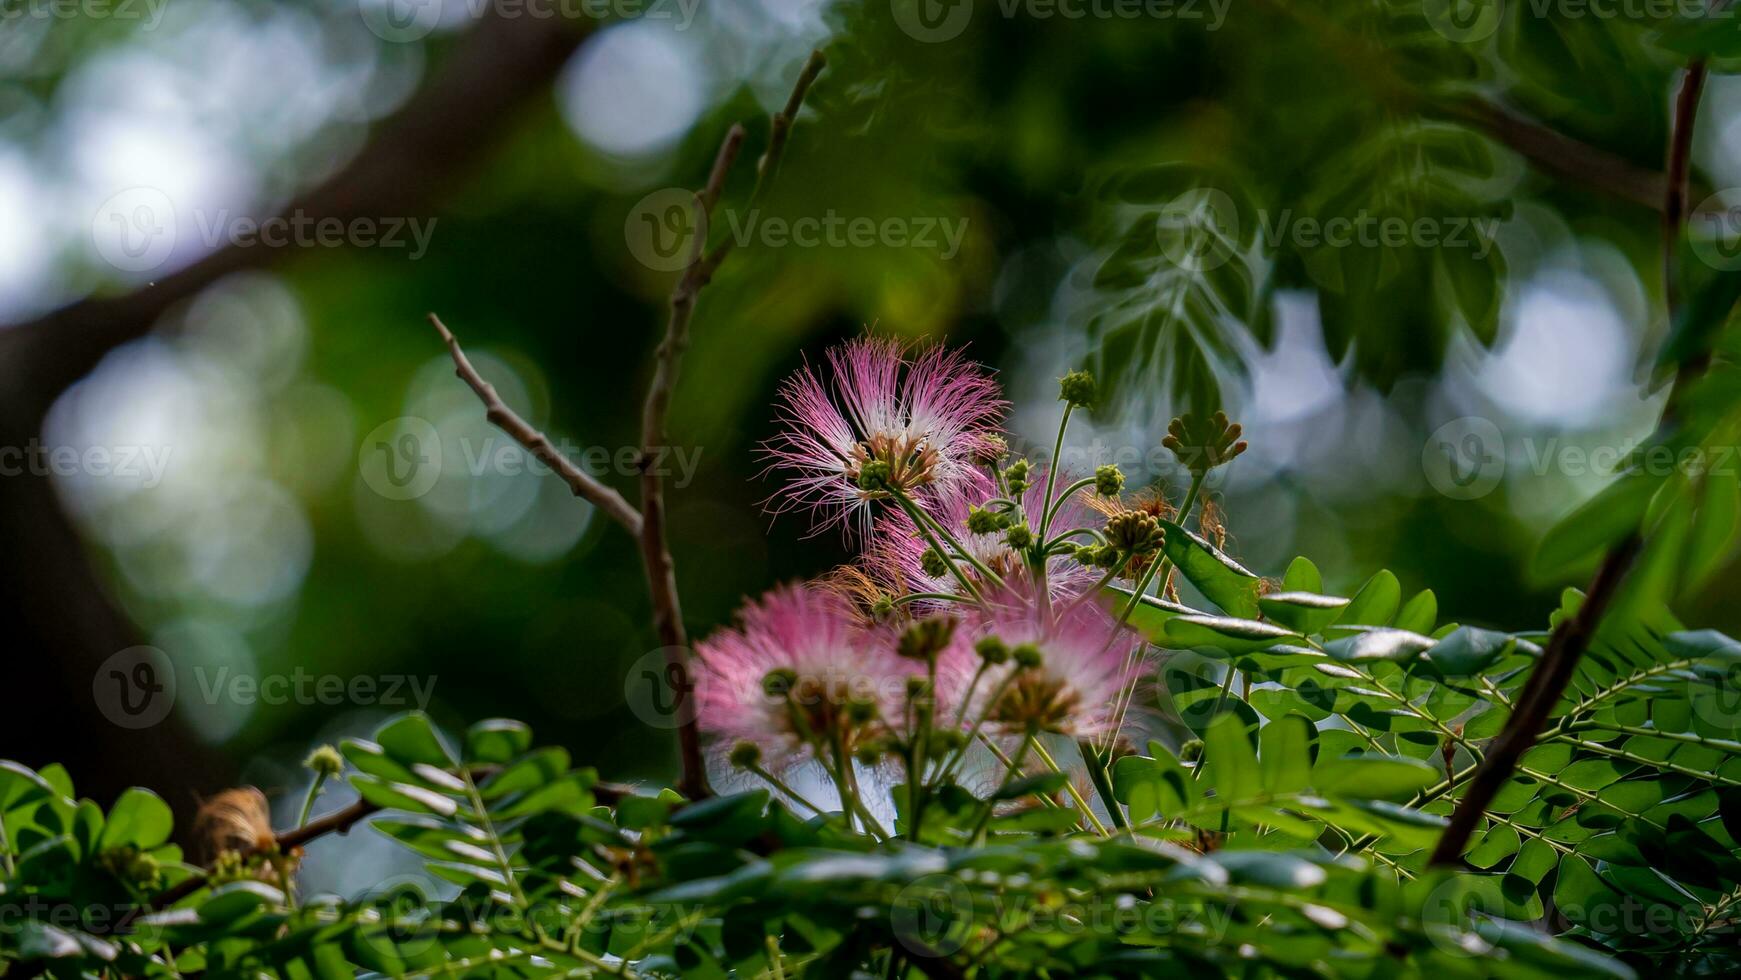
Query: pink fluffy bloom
[(1085, 666), (840, 677), (895, 557), (925, 414)]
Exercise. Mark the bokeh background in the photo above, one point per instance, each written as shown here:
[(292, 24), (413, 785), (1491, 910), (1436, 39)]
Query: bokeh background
[(526, 147)]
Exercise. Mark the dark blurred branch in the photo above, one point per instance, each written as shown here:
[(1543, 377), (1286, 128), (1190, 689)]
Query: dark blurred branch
[(655, 550), (1680, 156), (1558, 153), (1543, 145), (536, 443)]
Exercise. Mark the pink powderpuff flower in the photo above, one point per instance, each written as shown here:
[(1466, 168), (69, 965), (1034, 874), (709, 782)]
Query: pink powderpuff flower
[(797, 669), (922, 415), (1086, 662), (895, 557)]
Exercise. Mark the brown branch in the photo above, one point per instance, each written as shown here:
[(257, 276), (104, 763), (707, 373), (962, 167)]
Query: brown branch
[(1546, 683), (655, 549), (1559, 661), (1680, 154), (339, 821), (535, 442), (1558, 153)]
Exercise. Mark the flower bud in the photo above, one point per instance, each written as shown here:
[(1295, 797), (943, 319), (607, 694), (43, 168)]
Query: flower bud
[(1204, 443), (1077, 389), (918, 687), (874, 475), (745, 755), (1108, 480), (1134, 532), (926, 638), (1191, 751), (1027, 656), (933, 563), (325, 761), (1019, 536), (779, 682), (982, 521), (992, 650)]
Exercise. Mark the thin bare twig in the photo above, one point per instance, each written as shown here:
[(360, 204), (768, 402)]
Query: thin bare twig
[(655, 550), (1680, 154), (535, 442)]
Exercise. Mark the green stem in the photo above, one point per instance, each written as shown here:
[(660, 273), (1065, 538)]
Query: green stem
[(308, 801), (1070, 787), (1058, 505), (780, 785), (1097, 774), (1052, 472), (924, 527), (1010, 775)]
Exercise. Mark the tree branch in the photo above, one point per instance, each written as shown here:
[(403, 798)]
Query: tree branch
[(655, 550), (1546, 683), (535, 442), (1559, 661)]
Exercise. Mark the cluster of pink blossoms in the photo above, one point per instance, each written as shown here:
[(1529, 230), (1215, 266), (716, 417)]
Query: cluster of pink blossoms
[(973, 611)]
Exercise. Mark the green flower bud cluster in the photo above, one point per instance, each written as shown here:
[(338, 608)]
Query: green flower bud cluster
[(934, 564), (992, 650), (745, 755), (927, 638), (1027, 656), (983, 521), (1019, 536), (1204, 443), (1108, 480), (1077, 389), (1134, 532), (131, 866), (874, 476), (1097, 555), (325, 761), (1016, 477)]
